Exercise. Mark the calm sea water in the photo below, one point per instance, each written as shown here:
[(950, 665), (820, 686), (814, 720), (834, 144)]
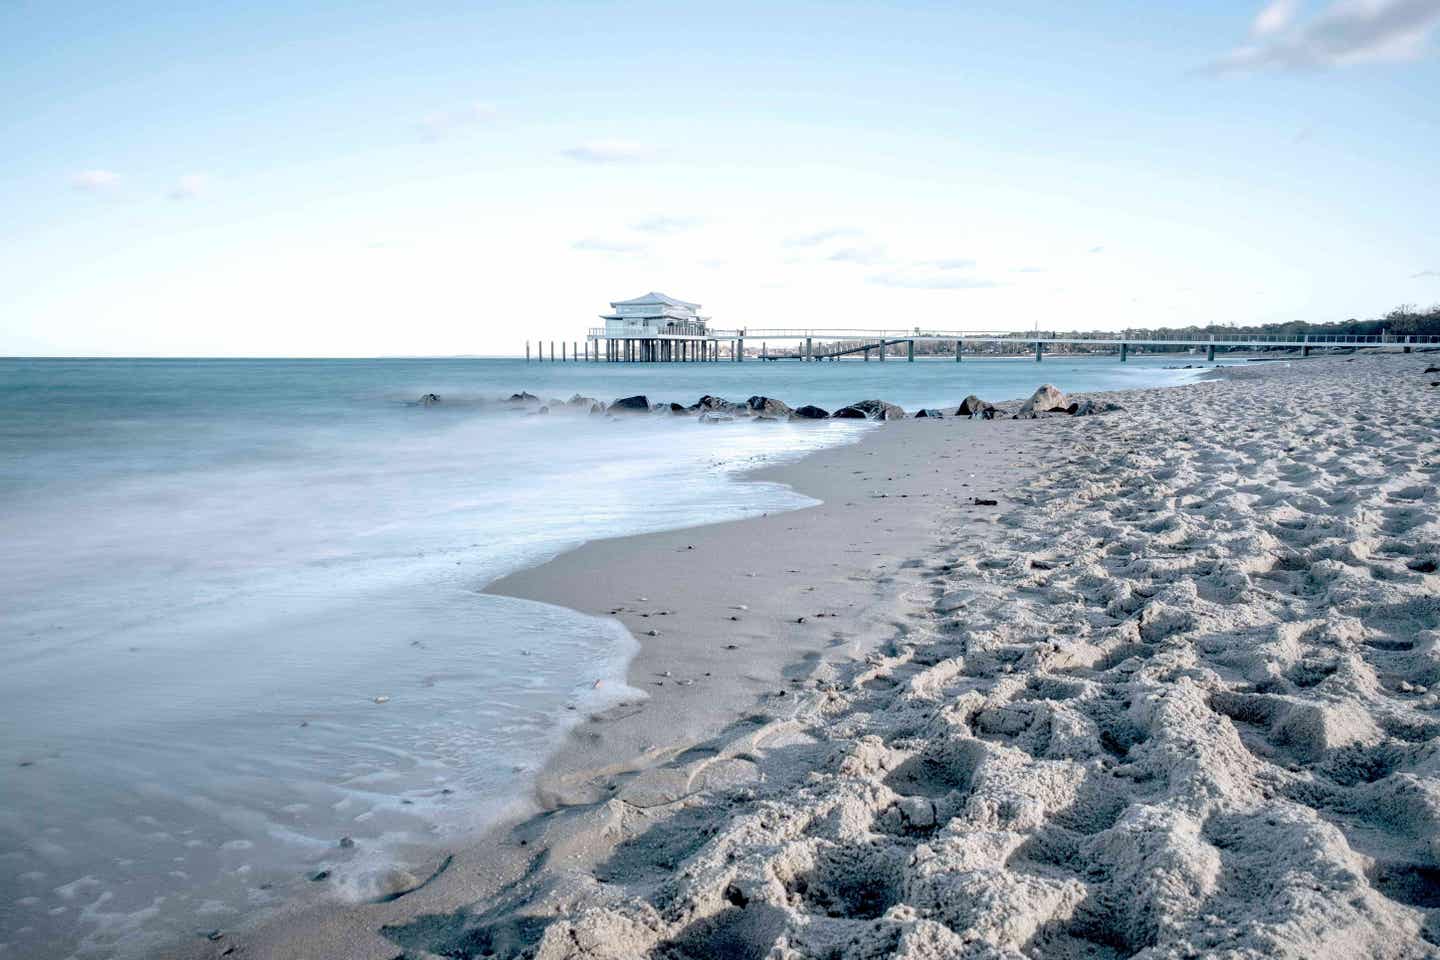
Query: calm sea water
[(242, 615)]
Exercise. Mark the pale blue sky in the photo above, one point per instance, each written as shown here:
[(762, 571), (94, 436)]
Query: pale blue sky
[(455, 178)]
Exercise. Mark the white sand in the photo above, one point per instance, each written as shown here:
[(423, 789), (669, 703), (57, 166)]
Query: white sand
[(1175, 704)]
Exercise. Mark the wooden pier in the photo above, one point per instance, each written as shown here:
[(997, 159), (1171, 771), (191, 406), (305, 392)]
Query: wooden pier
[(703, 345)]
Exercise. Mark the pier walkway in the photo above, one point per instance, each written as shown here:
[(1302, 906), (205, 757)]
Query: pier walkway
[(818, 344)]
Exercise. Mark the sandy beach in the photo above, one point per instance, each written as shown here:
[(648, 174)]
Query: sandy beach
[(1171, 695)]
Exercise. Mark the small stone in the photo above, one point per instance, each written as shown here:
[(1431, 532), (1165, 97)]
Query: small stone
[(321, 875), (346, 843), (652, 633), (382, 699)]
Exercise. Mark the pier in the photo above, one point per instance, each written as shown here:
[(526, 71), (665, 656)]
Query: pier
[(694, 341)]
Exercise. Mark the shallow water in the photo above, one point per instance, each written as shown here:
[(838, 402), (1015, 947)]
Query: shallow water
[(242, 616)]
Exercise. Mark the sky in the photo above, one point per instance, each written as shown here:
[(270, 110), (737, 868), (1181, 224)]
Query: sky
[(366, 179)]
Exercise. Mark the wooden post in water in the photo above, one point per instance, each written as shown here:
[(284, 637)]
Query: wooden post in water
[(867, 354), (1039, 350), (1124, 351), (958, 345), (1210, 350), (527, 351), (882, 349), (910, 352)]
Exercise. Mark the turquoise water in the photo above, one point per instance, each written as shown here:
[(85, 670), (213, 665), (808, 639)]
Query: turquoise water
[(242, 616)]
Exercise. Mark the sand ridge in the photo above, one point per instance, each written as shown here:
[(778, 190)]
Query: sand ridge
[(1182, 708)]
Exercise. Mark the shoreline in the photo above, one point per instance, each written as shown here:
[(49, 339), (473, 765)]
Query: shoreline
[(695, 637), (640, 790)]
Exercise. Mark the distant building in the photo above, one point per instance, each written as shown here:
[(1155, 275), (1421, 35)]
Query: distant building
[(653, 315)]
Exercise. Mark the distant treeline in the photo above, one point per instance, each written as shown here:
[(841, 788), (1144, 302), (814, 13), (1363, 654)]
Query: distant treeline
[(1403, 321)]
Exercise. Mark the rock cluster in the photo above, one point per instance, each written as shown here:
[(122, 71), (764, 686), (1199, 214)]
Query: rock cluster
[(1048, 400)]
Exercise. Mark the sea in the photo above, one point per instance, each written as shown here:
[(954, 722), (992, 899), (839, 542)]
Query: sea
[(243, 642)]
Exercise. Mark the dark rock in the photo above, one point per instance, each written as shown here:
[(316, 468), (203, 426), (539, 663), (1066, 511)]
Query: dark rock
[(1432, 369), (870, 410), (710, 416), (718, 405), (523, 397), (677, 408), (973, 406), (982, 502), (584, 403), (1046, 399), (543, 410), (639, 404), (430, 399), (809, 412), (931, 414), (768, 408), (1086, 408)]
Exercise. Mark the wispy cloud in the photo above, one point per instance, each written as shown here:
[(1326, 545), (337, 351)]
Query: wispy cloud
[(821, 237), (95, 181), (666, 225), (931, 280), (608, 151), (1425, 273), (1346, 32), (1030, 270), (1274, 17), (956, 263), (189, 186), (439, 124), (1097, 249), (867, 255), (608, 245)]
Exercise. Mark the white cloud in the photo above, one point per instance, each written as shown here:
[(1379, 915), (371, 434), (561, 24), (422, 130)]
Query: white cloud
[(1345, 33), (439, 124), (608, 245), (931, 280), (1097, 249), (952, 264), (1424, 274), (189, 186), (608, 151), (1030, 270), (95, 181), (868, 255), (1274, 17), (666, 225), (821, 237)]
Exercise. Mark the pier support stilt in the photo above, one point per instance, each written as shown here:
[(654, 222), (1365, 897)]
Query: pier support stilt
[(910, 350), (867, 354), (1210, 353), (1124, 351), (1305, 350), (1039, 351), (527, 351), (882, 351), (958, 345)]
